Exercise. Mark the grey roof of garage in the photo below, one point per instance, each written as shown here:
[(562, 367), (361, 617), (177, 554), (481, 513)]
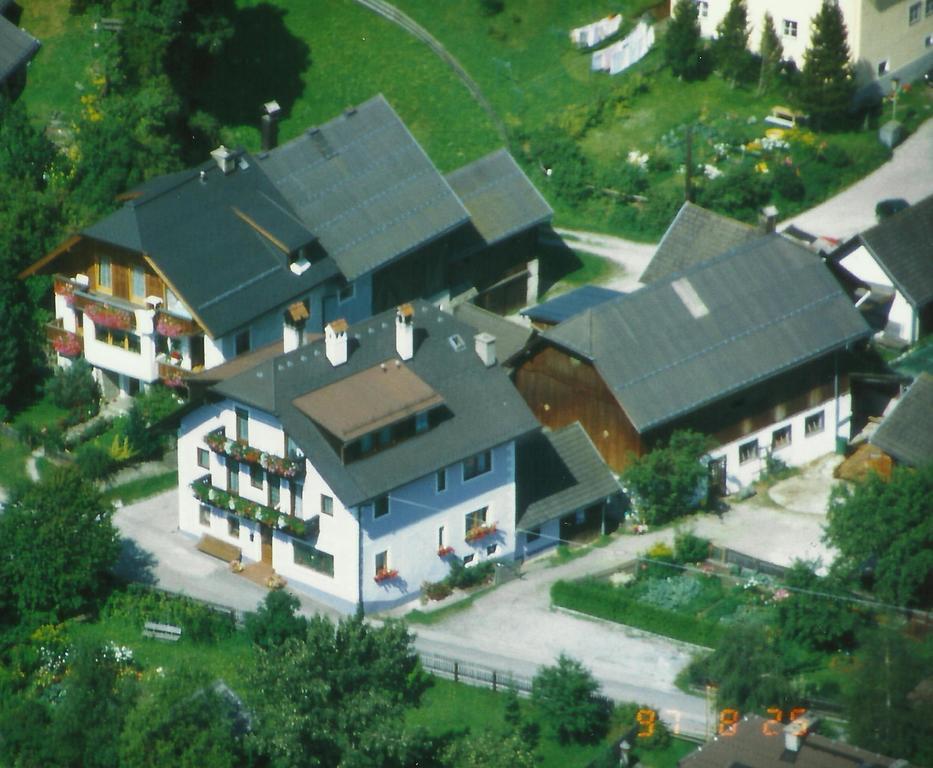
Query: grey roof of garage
[(485, 409), (365, 187), (694, 236), (510, 337), (501, 199), (560, 472), (715, 329), (907, 432), (16, 48)]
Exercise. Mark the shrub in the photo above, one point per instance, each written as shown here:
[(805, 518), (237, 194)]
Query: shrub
[(461, 577), (74, 387), (652, 732), (275, 621), (436, 590), (672, 593), (199, 623), (689, 548), (95, 462), (570, 700), (787, 183), (834, 156), (52, 438), (491, 7), (28, 434)]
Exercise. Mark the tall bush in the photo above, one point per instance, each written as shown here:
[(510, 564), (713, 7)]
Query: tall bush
[(74, 388), (569, 698)]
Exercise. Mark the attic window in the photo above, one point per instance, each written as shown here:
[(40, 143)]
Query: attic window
[(690, 298), (456, 342)]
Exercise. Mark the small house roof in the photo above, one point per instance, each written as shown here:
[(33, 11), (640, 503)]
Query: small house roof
[(568, 304), (907, 432), (511, 337), (17, 47)]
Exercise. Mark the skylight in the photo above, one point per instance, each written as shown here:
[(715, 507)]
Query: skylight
[(456, 342), (689, 296)]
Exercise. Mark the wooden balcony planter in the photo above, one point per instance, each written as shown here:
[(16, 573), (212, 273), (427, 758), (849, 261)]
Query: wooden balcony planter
[(218, 442), (64, 342), (228, 501), (174, 327)]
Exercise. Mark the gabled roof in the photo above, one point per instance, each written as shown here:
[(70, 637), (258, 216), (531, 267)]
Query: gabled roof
[(903, 247), (694, 236), (560, 472), (510, 337), (16, 48), (499, 196), (572, 303), (226, 261), (365, 187), (717, 328), (483, 408), (907, 432)]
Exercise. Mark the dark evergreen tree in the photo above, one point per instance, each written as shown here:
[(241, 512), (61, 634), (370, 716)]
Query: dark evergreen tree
[(771, 51), (570, 700), (731, 46), (682, 45), (827, 84)]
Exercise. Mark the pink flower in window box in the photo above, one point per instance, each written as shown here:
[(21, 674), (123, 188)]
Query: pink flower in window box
[(385, 575), (480, 532), (444, 551), (67, 344)]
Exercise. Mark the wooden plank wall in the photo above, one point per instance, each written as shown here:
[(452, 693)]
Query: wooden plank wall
[(561, 389), (85, 256)]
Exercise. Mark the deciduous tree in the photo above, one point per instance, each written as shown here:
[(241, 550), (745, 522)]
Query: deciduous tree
[(827, 83), (731, 46)]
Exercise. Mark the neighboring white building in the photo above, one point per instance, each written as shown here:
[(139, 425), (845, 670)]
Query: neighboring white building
[(358, 465), (887, 39), (893, 261)]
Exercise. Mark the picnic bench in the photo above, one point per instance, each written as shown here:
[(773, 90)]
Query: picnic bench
[(162, 631), (214, 547), (785, 117)]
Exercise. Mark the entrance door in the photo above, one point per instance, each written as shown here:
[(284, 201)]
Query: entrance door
[(717, 478), (265, 536)]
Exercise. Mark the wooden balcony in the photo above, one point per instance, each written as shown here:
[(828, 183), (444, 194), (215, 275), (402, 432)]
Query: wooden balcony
[(174, 375), (63, 341)]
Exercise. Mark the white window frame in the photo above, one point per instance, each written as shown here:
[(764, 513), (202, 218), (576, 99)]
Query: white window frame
[(139, 273), (748, 457), (774, 437), (327, 505), (388, 507), (820, 418), (703, 8), (789, 27), (105, 267), (913, 14), (884, 67)]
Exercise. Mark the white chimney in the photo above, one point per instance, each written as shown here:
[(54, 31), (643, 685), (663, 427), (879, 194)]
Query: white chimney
[(293, 324), (225, 159), (796, 730), (291, 338), (486, 348), (335, 342), (405, 332), (768, 219)]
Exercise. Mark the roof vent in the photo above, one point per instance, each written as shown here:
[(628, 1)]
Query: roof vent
[(336, 342), (486, 348), (225, 159), (203, 177), (796, 731), (456, 342)]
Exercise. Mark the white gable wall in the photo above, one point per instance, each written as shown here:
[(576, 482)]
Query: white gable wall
[(903, 321)]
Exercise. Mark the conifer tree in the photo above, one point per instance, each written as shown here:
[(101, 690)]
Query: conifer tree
[(731, 46), (682, 45), (771, 51), (826, 83)]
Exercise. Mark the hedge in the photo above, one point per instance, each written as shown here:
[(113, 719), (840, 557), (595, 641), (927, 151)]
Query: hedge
[(605, 601)]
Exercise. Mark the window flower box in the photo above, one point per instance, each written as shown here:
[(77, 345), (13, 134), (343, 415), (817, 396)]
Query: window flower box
[(66, 290), (109, 317), (385, 575), (218, 442), (170, 327), (444, 551), (68, 344), (480, 532), (175, 381)]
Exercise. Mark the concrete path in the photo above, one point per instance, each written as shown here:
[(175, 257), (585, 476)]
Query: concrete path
[(908, 175), (631, 256)]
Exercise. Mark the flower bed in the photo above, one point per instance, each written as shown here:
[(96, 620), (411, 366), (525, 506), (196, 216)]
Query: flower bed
[(109, 317), (68, 344), (252, 510), (480, 532), (385, 575), (218, 442)]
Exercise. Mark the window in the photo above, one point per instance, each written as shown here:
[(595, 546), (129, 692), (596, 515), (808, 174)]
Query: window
[(204, 458), (928, 42), (242, 425), (366, 443), (421, 422), (532, 535), (928, 11), (241, 343), (117, 338), (233, 526), (491, 549), (882, 67), (790, 28), (204, 515), (104, 276), (703, 8), (275, 491), (440, 480), (138, 282), (748, 451), (327, 505), (256, 476), (467, 559), (474, 519), (780, 438), (233, 476), (477, 465), (381, 506), (346, 293), (310, 557), (385, 435), (382, 561), (813, 424), (440, 537), (296, 499), (913, 13), (291, 449)]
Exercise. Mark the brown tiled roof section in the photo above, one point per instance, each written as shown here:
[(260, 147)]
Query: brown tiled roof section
[(368, 400), (750, 746)]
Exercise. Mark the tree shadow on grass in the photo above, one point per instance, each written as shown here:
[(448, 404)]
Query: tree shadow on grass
[(261, 62), (556, 260), (135, 564)]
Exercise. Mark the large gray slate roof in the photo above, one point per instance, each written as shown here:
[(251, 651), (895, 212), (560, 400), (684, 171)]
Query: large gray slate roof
[(510, 337), (486, 410), (500, 198), (907, 432), (365, 187), (560, 472), (695, 235), (16, 48), (903, 247), (223, 268), (717, 328)]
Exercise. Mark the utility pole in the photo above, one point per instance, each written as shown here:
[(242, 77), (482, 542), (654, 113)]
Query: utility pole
[(688, 166)]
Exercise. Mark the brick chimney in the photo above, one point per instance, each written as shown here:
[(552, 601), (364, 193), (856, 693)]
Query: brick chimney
[(486, 348), (225, 159), (405, 332), (335, 342)]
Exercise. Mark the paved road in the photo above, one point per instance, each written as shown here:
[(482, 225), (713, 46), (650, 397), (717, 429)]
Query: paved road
[(631, 256)]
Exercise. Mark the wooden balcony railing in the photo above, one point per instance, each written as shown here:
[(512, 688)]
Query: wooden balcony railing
[(63, 341), (207, 493)]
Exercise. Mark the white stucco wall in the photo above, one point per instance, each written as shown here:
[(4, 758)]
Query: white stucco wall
[(141, 365), (902, 319)]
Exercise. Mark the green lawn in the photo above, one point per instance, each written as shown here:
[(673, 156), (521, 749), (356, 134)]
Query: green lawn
[(143, 488), (42, 413)]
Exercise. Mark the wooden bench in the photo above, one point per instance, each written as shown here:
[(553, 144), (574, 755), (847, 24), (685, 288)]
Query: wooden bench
[(162, 631), (785, 117), (214, 547)]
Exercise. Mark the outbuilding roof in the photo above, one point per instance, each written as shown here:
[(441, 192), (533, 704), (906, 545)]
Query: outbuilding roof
[(694, 236), (511, 337), (482, 408), (568, 304), (714, 329), (907, 432), (17, 47)]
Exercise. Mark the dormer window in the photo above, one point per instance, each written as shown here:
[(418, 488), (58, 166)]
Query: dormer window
[(421, 422), (346, 293)]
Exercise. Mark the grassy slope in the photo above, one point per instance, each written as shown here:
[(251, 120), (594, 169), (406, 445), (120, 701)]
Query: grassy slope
[(12, 461)]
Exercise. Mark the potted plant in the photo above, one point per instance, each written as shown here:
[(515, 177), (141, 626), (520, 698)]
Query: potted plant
[(385, 574), (444, 551)]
